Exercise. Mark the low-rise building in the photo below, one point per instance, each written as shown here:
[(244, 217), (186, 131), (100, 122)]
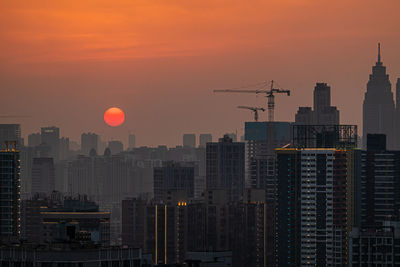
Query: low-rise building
[(68, 220), (69, 256)]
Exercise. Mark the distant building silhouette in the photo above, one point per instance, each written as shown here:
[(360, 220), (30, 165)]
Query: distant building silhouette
[(131, 141), (305, 116), (34, 139), (378, 106), (64, 148), (43, 176), (204, 139), (233, 136), (225, 167), (50, 136), (173, 176), (323, 112), (89, 141), (189, 140), (115, 147)]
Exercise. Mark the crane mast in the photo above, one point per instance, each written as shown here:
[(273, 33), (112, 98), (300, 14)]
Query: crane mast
[(270, 94)]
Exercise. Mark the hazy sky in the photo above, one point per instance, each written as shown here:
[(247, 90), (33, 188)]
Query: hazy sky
[(66, 62)]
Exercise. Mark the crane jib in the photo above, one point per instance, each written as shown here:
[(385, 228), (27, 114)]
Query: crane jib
[(269, 93)]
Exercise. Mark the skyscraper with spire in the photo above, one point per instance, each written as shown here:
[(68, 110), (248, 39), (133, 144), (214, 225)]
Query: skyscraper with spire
[(378, 106)]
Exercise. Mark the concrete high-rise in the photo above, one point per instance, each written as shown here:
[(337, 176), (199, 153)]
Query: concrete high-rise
[(81, 176), (380, 183), (314, 212), (89, 141), (261, 140), (173, 176), (225, 167), (378, 106), (375, 246), (189, 140), (51, 137), (64, 148), (43, 176), (204, 139), (10, 194), (304, 116), (323, 113), (9, 132)]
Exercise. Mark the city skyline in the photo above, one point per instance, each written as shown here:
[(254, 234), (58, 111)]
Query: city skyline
[(224, 133), (166, 86), (124, 137)]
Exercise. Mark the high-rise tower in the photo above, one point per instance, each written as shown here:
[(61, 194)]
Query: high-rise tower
[(225, 165), (378, 107), (51, 137), (323, 113), (10, 194), (43, 176), (89, 141)]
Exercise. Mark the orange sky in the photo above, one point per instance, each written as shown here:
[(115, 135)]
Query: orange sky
[(66, 62)]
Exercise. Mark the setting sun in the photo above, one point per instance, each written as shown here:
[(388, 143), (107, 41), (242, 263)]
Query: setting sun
[(114, 116)]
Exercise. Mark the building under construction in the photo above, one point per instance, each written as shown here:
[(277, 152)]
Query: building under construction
[(324, 136)]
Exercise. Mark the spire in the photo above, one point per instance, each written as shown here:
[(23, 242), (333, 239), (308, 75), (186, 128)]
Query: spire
[(379, 52)]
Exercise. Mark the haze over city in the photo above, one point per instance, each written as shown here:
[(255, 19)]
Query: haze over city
[(65, 62), (213, 133)]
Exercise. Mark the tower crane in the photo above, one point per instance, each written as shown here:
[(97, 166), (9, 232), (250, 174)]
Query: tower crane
[(269, 94), (254, 109)]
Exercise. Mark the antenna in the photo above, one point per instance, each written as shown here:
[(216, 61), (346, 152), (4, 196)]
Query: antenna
[(379, 52)]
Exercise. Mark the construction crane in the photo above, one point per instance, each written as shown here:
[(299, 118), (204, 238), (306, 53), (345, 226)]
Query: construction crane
[(254, 109), (269, 94)]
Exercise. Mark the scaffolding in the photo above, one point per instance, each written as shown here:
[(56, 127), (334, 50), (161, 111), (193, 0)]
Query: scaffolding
[(324, 136)]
